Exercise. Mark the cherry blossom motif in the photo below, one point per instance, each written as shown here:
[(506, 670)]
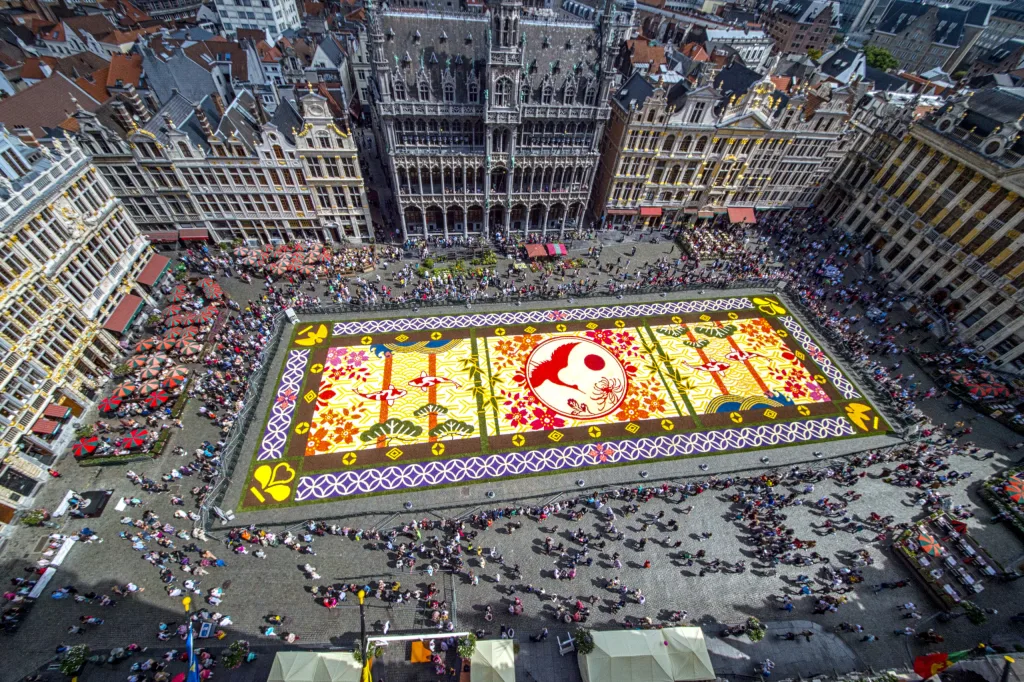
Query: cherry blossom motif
[(357, 358), (286, 398), (632, 411), (518, 417), (815, 392), (556, 315), (546, 419), (602, 453), (602, 336), (336, 355)]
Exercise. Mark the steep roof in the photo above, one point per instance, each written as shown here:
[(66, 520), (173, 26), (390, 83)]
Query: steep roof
[(806, 11), (636, 88), (1001, 53), (735, 79), (126, 69), (643, 52), (900, 15), (95, 84), (45, 105)]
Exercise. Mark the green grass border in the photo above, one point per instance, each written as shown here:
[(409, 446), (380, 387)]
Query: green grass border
[(254, 463)]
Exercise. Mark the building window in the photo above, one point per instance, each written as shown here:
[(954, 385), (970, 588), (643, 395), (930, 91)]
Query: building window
[(449, 92), (697, 113), (474, 92), (399, 90), (424, 90), (990, 331), (972, 319), (545, 95), (502, 92)]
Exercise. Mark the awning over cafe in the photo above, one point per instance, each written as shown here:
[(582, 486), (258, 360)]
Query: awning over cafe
[(165, 237), (192, 234), (650, 211), (743, 216), (536, 251), (123, 314), (156, 266)]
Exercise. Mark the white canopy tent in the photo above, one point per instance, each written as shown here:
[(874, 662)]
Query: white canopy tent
[(667, 655), (494, 660), (314, 666)]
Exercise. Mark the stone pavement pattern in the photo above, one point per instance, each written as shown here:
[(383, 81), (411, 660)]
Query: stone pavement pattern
[(276, 585)]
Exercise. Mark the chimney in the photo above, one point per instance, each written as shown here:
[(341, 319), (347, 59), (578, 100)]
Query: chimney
[(45, 68), (169, 121), (204, 122), (218, 103), (154, 103), (26, 135), (136, 103), (122, 116)]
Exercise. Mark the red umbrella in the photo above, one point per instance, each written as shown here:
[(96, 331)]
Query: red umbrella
[(146, 344), (172, 310), (173, 381), (176, 320), (307, 270), (240, 252), (156, 399), (190, 332), (153, 363), (253, 261), (160, 357), (190, 348), (1014, 490), (136, 361), (312, 257), (124, 390), (178, 294), (85, 446), (149, 373), (149, 386), (206, 281), (174, 333), (279, 270), (207, 314), (165, 344), (134, 439), (109, 404)]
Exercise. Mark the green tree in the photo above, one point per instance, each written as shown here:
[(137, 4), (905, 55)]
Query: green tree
[(880, 58), (401, 429), (451, 428), (814, 53)]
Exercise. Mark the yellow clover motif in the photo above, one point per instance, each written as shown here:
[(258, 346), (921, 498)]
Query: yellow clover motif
[(677, 320), (667, 424), (437, 448), (804, 410), (560, 327), (436, 336), (771, 414), (401, 338), (782, 333), (591, 325), (301, 428), (594, 432), (500, 331), (348, 458), (518, 440), (733, 316), (769, 306), (620, 323), (273, 481), (820, 379), (736, 417), (366, 340), (316, 368)]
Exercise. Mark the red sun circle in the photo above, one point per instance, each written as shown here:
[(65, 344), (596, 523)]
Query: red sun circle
[(594, 362)]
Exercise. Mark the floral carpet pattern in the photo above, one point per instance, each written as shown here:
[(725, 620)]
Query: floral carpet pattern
[(385, 405)]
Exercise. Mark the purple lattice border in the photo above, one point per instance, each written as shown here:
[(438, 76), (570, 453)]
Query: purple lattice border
[(538, 316), (276, 431), (848, 390), (502, 465)]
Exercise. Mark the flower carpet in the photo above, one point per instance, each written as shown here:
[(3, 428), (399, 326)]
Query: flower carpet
[(384, 405)]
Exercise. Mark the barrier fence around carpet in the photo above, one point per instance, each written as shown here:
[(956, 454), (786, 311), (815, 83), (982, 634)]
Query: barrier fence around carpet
[(237, 434)]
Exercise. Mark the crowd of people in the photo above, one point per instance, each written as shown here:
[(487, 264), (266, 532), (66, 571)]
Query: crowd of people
[(801, 253)]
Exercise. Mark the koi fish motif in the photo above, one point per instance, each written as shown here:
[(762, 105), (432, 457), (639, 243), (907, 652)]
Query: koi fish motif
[(389, 396), (427, 382), (711, 366), (742, 355)]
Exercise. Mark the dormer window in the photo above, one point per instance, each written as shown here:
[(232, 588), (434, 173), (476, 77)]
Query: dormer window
[(399, 90), (545, 94), (424, 89), (473, 91), (449, 92)]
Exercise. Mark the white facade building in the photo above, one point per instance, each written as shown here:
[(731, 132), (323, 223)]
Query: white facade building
[(273, 17)]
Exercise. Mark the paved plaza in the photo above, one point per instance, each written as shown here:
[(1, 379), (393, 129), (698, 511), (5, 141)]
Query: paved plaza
[(674, 530)]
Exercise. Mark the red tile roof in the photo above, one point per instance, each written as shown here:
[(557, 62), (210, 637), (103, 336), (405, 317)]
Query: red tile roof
[(47, 104), (95, 85), (33, 67), (125, 68), (695, 51), (645, 53)]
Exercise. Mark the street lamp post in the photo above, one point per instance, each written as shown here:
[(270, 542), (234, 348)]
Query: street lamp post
[(362, 637)]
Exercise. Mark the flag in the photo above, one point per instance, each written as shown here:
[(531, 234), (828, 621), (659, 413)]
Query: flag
[(931, 664), (193, 667)]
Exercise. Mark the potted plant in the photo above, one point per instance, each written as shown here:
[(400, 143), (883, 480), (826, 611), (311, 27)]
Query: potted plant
[(467, 645), (584, 641), (35, 517), (755, 629), (236, 654), (74, 660)]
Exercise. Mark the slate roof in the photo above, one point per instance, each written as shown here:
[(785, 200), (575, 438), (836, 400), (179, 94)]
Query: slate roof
[(182, 112), (636, 88), (735, 79), (806, 11), (1012, 12), (1001, 53), (286, 118), (900, 15)]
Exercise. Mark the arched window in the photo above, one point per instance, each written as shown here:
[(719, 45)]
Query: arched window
[(399, 90), (449, 92), (424, 91), (545, 94), (570, 94), (669, 143), (474, 92), (185, 150), (503, 93), (685, 145), (702, 142), (278, 152), (591, 94)]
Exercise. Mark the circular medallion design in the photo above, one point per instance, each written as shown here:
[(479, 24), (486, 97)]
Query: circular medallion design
[(576, 377)]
